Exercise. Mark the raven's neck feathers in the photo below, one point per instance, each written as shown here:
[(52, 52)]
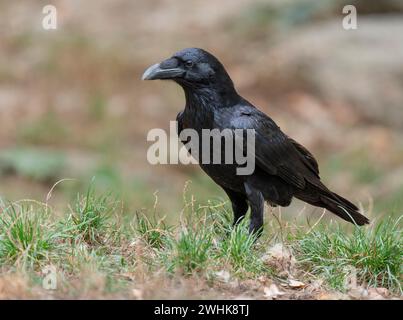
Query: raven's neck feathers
[(207, 98)]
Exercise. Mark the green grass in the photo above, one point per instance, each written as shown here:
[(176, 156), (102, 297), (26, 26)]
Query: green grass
[(152, 231), (238, 249), (26, 235), (90, 216), (97, 236), (191, 251), (375, 254)]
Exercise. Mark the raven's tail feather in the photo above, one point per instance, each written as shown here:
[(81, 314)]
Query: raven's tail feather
[(342, 207), (331, 201)]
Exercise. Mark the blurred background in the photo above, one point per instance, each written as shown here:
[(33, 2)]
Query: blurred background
[(72, 104)]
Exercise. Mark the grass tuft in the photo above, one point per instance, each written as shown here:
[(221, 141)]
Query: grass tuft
[(191, 251), (374, 255), (91, 215), (238, 249), (26, 235), (154, 232)]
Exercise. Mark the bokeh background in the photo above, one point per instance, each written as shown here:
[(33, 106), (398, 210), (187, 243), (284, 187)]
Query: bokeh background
[(72, 104)]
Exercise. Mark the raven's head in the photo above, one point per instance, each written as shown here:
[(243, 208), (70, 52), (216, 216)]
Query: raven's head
[(191, 68)]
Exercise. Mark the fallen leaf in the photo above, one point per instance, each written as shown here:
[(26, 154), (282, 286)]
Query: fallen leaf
[(272, 292), (295, 284)]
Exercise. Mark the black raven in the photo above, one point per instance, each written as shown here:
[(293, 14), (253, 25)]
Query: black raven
[(284, 168)]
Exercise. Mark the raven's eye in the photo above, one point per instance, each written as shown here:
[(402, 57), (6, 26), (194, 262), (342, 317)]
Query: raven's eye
[(189, 64)]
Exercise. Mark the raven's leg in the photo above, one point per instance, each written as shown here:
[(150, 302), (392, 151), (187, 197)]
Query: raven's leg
[(239, 205), (256, 202)]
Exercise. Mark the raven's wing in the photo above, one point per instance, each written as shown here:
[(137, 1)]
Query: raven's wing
[(307, 157), (275, 152), (279, 155)]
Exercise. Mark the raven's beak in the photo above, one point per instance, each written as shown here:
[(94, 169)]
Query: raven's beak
[(157, 72)]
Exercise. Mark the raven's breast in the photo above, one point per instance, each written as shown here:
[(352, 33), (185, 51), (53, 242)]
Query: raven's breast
[(213, 149), (225, 175)]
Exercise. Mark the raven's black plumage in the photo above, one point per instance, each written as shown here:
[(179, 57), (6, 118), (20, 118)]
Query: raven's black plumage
[(284, 168)]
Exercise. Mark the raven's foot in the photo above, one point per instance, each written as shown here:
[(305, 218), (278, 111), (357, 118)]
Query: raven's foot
[(256, 230)]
